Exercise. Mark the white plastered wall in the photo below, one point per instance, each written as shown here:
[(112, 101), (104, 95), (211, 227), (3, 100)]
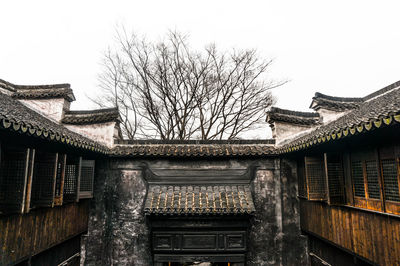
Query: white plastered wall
[(282, 132), (103, 133), (328, 115), (50, 108)]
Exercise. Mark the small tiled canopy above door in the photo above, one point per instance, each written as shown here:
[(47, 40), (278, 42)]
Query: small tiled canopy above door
[(199, 199)]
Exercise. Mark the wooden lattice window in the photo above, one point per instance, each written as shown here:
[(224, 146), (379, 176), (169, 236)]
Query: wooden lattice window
[(315, 175), (71, 179), (389, 162), (366, 179), (86, 180), (390, 179), (371, 169), (43, 180), (335, 179), (13, 175), (301, 176), (358, 178)]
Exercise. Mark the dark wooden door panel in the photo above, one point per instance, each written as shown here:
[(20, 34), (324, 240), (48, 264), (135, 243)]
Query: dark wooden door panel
[(209, 241)]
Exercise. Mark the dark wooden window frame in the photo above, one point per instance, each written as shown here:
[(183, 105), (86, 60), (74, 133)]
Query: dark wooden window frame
[(71, 183), (334, 175), (390, 153), (86, 178), (18, 205), (316, 184), (368, 202), (43, 184), (327, 179), (347, 185), (302, 179)]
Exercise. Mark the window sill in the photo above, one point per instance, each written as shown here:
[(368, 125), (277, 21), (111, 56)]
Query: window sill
[(373, 211), (397, 216)]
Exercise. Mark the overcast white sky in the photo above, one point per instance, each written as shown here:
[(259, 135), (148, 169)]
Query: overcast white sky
[(342, 48)]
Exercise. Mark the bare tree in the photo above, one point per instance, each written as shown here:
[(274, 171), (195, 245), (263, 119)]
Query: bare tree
[(167, 90)]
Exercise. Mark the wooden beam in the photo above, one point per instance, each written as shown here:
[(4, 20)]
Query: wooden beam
[(54, 178), (26, 172), (348, 181), (58, 199), (326, 178), (78, 182), (380, 178), (306, 177), (29, 181)]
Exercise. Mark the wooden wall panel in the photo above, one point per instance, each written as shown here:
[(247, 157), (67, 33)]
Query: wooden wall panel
[(373, 236), (24, 235)]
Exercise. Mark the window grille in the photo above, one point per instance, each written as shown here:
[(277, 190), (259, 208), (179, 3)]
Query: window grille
[(315, 178), (371, 168), (335, 178), (86, 180), (390, 173), (358, 178), (71, 179), (44, 173), (13, 171), (302, 185)]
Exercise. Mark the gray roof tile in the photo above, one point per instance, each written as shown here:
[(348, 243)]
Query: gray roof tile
[(367, 115), (199, 199), (292, 117), (91, 116), (18, 117)]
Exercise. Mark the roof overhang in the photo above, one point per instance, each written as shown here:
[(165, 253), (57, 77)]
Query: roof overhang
[(199, 200)]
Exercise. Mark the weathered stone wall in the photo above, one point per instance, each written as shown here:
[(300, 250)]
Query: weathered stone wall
[(117, 230), (294, 245), (275, 233), (118, 234)]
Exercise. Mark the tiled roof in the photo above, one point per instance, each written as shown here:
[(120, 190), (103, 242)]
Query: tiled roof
[(91, 116), (346, 103), (334, 103), (375, 111), (197, 199), (17, 117), (190, 149), (292, 117), (39, 91)]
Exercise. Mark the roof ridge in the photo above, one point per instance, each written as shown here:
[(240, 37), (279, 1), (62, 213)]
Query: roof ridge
[(276, 110), (335, 98), (359, 99), (195, 142), (95, 111), (382, 91), (86, 117), (8, 85)]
